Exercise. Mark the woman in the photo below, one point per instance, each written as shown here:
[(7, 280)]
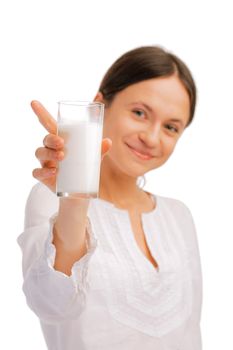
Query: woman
[(121, 271)]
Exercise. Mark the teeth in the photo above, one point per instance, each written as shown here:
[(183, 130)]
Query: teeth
[(145, 156), (141, 155)]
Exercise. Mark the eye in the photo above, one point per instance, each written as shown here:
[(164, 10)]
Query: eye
[(172, 128), (138, 113)]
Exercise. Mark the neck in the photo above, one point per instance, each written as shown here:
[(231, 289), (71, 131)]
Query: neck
[(119, 188)]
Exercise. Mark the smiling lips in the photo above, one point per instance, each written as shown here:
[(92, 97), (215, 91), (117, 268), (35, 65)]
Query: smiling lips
[(141, 155)]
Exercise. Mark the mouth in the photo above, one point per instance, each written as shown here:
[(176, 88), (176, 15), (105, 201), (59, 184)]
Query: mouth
[(138, 154)]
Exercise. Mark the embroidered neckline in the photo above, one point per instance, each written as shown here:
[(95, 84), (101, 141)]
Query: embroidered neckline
[(121, 210)]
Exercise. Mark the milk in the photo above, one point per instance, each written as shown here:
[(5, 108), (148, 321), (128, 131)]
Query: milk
[(79, 171)]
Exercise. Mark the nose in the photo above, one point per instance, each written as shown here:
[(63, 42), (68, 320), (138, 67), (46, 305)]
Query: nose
[(151, 136)]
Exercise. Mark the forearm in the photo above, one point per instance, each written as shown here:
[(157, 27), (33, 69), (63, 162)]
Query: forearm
[(69, 233)]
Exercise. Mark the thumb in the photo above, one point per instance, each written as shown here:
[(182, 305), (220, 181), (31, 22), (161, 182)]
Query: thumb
[(106, 145)]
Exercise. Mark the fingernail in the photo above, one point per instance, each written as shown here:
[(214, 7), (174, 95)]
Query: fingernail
[(52, 171)]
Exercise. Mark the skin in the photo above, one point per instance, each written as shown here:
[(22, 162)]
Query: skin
[(129, 122), (126, 122), (139, 119), (52, 152)]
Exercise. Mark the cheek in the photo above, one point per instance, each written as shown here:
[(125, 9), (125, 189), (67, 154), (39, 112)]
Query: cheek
[(169, 146), (107, 130), (112, 133), (116, 128)]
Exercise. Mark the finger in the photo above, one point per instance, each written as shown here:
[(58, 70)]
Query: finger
[(46, 176), (53, 141), (48, 163), (106, 145), (43, 173), (44, 117), (43, 153)]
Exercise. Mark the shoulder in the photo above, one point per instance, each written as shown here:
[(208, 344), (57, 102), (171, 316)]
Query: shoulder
[(172, 204), (176, 212)]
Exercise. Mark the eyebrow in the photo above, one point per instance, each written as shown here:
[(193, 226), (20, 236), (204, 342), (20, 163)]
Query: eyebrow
[(151, 110)]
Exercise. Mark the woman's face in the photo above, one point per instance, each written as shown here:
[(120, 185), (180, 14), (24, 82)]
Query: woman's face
[(144, 122)]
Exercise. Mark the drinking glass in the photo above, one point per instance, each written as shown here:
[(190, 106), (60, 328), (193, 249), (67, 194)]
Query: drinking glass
[(80, 124)]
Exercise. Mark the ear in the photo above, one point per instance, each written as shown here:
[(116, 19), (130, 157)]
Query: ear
[(99, 97)]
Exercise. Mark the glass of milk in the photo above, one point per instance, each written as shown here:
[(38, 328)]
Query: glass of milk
[(80, 124)]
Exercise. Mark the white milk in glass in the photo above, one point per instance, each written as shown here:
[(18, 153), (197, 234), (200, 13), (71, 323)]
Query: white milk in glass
[(79, 171)]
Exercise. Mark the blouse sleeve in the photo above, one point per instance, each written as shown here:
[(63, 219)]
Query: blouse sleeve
[(192, 339), (51, 294)]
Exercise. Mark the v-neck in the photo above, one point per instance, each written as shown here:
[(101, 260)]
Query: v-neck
[(134, 289), (146, 218)]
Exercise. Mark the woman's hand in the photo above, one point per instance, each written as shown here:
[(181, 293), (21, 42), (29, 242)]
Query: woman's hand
[(53, 151)]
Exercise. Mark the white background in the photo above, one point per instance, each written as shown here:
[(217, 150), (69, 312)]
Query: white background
[(53, 50)]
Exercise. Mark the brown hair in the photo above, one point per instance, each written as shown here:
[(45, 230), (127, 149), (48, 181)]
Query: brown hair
[(144, 63)]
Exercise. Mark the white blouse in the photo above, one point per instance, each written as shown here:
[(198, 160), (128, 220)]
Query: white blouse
[(115, 299)]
